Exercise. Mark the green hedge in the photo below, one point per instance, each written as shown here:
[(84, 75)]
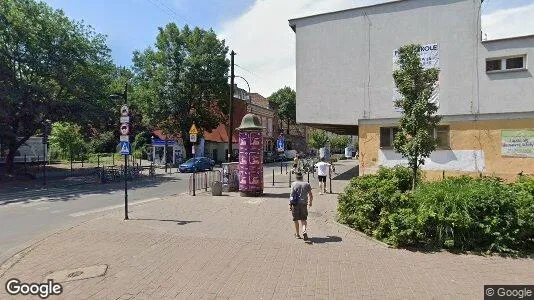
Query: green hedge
[(459, 213)]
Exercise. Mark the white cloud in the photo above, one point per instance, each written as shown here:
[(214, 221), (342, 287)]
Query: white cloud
[(509, 22), (265, 44)]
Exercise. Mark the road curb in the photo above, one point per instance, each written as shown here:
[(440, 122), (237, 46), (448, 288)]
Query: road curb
[(8, 263), (11, 261)]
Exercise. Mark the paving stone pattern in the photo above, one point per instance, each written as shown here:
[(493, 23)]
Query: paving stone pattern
[(231, 247)]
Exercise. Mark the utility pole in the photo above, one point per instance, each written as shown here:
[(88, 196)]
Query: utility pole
[(231, 117)]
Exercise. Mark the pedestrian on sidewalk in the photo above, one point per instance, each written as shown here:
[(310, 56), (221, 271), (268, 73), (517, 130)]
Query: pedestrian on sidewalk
[(301, 197), (297, 164), (323, 169)]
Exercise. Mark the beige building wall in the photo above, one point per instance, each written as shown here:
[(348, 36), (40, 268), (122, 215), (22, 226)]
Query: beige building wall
[(464, 135)]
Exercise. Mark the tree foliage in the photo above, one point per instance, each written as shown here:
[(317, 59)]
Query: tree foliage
[(415, 139), (317, 139), (183, 80), (285, 98), (50, 68), (66, 139), (339, 142)]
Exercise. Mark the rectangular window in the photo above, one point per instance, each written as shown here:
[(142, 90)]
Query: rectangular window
[(493, 65), (442, 134), (270, 125), (387, 136), (506, 64), (515, 63)]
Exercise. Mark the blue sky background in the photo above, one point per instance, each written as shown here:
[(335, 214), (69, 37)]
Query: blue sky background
[(256, 29), (132, 24)]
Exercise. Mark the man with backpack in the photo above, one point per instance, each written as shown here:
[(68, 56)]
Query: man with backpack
[(301, 197)]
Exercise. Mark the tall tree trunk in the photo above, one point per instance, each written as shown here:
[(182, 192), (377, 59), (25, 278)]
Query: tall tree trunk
[(10, 161), (414, 179), (287, 129)]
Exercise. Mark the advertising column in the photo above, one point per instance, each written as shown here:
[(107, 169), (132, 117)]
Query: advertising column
[(250, 156)]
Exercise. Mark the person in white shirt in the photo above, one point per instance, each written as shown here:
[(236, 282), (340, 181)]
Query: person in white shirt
[(323, 169)]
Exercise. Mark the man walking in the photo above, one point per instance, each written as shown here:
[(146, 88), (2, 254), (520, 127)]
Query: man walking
[(298, 205), (323, 168)]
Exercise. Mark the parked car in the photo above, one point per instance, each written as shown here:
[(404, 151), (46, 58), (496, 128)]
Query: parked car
[(197, 164)]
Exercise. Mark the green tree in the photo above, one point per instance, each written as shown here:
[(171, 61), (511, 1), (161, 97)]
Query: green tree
[(184, 80), (415, 139), (285, 98), (339, 142), (317, 139), (66, 139), (50, 68), (104, 142)]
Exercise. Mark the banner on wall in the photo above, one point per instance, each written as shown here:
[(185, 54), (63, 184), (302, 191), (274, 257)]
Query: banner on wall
[(518, 143), (429, 59)]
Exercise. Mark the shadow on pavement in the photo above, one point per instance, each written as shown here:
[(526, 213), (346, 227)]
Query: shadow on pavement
[(349, 174), (178, 222), (322, 240), (73, 191), (277, 195)]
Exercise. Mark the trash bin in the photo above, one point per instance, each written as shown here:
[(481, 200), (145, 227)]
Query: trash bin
[(216, 188)]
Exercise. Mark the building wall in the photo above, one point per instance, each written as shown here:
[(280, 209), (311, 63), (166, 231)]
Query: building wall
[(475, 149), (344, 60), (507, 91)]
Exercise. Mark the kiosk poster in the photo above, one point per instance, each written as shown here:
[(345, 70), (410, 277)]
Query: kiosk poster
[(250, 161)]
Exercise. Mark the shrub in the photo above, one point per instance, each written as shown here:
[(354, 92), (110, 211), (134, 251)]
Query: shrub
[(369, 198), (458, 213), (469, 214)]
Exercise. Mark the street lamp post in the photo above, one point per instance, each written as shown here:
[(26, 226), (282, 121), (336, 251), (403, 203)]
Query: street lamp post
[(124, 96)]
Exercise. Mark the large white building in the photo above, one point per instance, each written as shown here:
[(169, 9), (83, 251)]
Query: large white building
[(345, 60)]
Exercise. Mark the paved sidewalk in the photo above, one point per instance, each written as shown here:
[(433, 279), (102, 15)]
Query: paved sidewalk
[(208, 247)]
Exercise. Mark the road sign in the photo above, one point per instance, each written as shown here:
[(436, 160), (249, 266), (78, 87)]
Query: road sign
[(125, 119), (280, 145), (125, 138), (124, 110), (125, 148), (125, 129), (193, 130), (193, 138)]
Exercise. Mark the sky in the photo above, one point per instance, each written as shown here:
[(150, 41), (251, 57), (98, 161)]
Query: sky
[(257, 30)]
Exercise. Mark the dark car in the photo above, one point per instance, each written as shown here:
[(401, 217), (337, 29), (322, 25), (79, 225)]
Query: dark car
[(196, 164)]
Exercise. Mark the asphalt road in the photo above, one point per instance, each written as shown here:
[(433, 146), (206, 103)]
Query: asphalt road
[(27, 215)]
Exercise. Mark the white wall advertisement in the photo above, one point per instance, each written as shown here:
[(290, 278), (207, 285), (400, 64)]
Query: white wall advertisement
[(429, 59)]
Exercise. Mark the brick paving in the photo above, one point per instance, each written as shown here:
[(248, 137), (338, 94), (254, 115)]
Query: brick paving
[(231, 247)]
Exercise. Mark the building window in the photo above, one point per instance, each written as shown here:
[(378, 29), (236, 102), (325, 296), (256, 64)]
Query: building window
[(506, 64), (441, 133), (515, 63), (493, 65), (270, 126), (387, 135)]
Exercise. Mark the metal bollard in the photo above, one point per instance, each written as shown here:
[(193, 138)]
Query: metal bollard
[(330, 179), (273, 177), (194, 182), (98, 160), (206, 181), (281, 165), (308, 176), (289, 179), (286, 168)]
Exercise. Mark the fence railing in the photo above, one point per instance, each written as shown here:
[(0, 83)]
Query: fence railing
[(203, 180)]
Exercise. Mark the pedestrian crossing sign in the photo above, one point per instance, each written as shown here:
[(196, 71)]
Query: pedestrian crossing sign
[(125, 148)]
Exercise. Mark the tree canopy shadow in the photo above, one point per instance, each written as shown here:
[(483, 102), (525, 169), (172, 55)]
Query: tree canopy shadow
[(349, 174), (68, 191)]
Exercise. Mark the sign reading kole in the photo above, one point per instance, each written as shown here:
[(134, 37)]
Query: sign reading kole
[(429, 55)]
